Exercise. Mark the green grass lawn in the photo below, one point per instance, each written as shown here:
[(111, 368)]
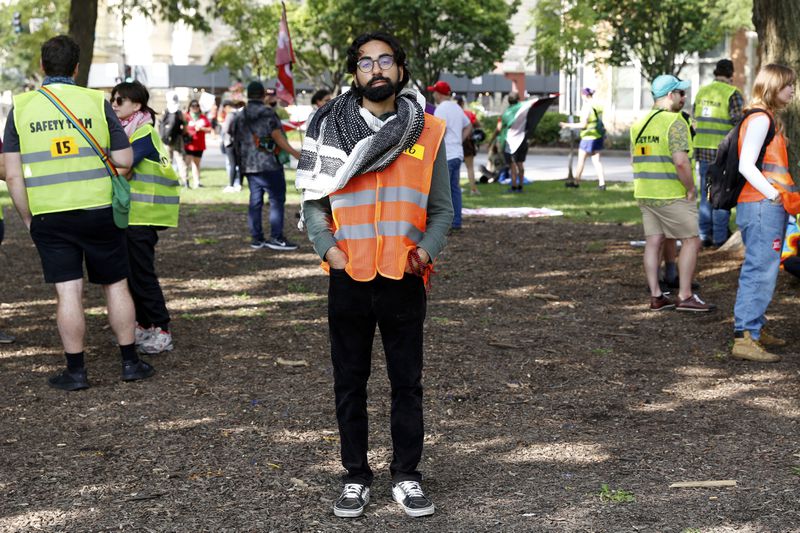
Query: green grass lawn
[(587, 204)]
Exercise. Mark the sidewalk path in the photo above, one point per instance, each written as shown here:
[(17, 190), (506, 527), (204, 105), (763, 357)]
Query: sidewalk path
[(541, 164)]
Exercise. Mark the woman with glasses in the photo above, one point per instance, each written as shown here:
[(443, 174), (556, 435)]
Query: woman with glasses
[(155, 193), (760, 213), (196, 128)]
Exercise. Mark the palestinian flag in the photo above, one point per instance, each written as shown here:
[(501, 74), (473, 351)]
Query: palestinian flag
[(527, 118)]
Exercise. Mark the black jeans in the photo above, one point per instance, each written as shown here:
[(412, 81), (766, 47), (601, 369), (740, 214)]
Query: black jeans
[(148, 299), (398, 309)]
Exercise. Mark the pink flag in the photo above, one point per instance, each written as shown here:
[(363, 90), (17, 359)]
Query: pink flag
[(284, 57)]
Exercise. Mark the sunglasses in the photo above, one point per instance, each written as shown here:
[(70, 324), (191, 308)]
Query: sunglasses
[(366, 63), (194, 105), (119, 100), (680, 92)]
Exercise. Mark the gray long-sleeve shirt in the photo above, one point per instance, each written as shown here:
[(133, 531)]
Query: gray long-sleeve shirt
[(319, 221)]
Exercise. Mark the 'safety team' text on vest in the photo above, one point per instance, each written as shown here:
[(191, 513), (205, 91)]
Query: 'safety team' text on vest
[(61, 170)]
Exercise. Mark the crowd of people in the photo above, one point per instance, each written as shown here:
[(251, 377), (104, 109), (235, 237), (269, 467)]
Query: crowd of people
[(94, 182)]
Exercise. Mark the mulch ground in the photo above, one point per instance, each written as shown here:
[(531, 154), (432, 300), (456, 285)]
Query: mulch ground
[(546, 378)]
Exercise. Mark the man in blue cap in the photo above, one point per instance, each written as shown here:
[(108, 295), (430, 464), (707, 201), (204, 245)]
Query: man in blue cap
[(661, 147)]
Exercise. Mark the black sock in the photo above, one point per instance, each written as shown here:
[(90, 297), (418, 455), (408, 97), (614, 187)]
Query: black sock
[(129, 354), (74, 361)]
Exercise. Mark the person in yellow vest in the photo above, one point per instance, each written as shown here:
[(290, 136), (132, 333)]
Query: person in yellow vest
[(4, 337), (592, 136), (663, 184), (717, 109), (155, 198), (377, 208), (760, 213), (62, 191)]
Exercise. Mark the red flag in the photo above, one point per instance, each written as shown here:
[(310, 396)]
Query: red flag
[(284, 57)]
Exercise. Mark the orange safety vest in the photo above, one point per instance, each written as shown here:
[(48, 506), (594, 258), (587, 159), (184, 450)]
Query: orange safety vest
[(378, 217), (775, 168)]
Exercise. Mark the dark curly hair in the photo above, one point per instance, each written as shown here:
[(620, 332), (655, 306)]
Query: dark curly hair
[(60, 56), (394, 44)]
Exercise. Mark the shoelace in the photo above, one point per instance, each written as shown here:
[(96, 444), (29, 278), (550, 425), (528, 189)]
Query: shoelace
[(352, 490), (412, 489)]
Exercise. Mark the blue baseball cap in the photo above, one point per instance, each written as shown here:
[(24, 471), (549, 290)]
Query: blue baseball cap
[(666, 83)]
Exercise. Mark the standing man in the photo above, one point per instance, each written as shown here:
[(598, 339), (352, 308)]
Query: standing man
[(257, 136), (661, 147), (514, 156), (62, 192), (458, 130), (377, 206), (717, 109)]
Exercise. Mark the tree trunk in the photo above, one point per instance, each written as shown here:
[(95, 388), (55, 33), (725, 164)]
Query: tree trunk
[(82, 21), (779, 42)]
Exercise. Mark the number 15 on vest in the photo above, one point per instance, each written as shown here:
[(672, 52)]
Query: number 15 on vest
[(61, 146)]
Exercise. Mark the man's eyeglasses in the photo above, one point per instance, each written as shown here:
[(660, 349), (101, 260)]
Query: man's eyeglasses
[(366, 63), (119, 100)]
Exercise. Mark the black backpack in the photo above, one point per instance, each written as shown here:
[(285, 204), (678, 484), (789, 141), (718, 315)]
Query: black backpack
[(171, 127), (724, 183)]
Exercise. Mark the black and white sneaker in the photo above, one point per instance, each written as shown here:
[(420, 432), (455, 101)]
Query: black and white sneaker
[(352, 502), (410, 496), (255, 245), (280, 243)]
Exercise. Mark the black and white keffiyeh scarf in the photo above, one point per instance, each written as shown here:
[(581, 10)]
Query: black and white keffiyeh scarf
[(344, 140)]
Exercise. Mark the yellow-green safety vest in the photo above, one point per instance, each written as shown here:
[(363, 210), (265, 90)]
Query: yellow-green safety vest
[(155, 187), (591, 131), (654, 173), (61, 170), (711, 113)]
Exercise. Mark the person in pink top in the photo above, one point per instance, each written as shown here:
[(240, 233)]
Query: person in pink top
[(196, 128)]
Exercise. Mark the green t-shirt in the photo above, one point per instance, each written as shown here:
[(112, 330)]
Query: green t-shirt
[(505, 122)]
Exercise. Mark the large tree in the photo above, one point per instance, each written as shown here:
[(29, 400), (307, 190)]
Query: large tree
[(659, 36), (779, 42)]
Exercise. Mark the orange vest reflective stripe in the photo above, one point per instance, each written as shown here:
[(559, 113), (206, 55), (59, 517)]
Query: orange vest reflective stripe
[(775, 168), (379, 216)]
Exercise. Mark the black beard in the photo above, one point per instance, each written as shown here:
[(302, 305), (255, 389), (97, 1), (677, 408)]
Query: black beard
[(379, 93)]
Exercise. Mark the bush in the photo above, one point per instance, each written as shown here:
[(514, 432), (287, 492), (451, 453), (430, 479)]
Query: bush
[(547, 132)]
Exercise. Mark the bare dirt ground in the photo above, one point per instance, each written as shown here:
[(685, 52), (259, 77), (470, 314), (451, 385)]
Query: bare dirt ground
[(546, 377)]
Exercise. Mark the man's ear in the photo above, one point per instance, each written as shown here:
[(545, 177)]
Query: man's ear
[(75, 73)]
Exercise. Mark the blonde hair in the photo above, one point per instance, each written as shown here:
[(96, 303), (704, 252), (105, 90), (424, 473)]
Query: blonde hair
[(770, 80)]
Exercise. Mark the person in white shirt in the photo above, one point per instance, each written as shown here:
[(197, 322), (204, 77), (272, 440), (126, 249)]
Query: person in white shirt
[(458, 130)]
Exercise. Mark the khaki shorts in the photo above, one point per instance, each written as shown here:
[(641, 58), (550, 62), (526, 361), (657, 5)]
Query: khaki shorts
[(675, 220)]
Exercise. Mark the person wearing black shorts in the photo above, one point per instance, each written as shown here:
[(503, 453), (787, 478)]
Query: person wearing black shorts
[(73, 224)]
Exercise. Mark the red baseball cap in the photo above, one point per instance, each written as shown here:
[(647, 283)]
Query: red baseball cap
[(441, 87)]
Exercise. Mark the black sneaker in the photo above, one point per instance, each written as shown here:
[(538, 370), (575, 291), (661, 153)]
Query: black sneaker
[(137, 370), (6, 339), (255, 245), (66, 380), (280, 243), (411, 498), (352, 502)]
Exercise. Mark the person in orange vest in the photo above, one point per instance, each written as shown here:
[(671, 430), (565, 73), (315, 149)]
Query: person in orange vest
[(760, 211), (377, 207)]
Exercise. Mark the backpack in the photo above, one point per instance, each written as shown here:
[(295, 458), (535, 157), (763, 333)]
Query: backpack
[(171, 127), (724, 183), (601, 128)]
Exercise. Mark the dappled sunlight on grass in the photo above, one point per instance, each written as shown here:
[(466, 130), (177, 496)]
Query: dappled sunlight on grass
[(179, 424), (561, 452)]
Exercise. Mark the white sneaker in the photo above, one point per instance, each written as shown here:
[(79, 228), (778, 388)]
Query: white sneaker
[(159, 341), (141, 334), (352, 502), (411, 498), (229, 188)]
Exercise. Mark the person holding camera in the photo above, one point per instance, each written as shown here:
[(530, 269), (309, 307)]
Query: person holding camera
[(257, 139)]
